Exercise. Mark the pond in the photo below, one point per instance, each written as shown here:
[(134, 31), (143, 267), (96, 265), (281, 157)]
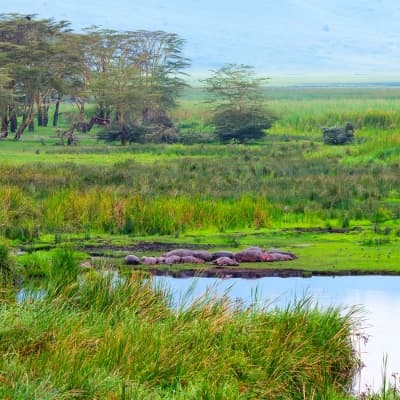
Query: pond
[(379, 297)]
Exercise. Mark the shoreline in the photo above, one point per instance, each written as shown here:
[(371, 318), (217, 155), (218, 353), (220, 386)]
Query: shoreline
[(255, 273)]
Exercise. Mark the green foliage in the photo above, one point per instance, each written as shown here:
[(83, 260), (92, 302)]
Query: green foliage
[(234, 86), (31, 56), (237, 97), (240, 125), (137, 82)]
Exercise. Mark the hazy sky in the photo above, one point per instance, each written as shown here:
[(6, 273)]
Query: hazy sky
[(276, 36)]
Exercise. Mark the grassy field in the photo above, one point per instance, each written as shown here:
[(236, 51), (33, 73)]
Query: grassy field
[(279, 187)]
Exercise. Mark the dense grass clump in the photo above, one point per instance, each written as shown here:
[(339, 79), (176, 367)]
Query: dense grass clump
[(218, 188), (105, 337), (7, 266)]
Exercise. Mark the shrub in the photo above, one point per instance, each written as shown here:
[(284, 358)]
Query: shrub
[(241, 125)]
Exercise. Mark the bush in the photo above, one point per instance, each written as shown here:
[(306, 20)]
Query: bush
[(241, 125)]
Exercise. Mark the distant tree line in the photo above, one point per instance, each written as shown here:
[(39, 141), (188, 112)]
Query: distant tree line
[(133, 77)]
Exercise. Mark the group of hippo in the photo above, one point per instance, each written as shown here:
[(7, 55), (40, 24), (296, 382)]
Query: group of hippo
[(219, 258)]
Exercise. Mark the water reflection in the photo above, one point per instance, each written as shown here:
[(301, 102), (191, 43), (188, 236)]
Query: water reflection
[(379, 297), (28, 294)]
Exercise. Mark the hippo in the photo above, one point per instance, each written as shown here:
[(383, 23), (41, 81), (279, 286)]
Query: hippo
[(219, 254), (131, 259), (191, 260), (179, 253), (149, 260), (202, 254), (251, 254), (225, 261), (174, 259), (291, 255), (278, 256)]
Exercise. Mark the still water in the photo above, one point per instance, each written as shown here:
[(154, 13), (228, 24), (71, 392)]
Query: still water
[(379, 297)]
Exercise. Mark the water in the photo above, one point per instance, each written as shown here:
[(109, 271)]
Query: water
[(29, 294), (379, 297)]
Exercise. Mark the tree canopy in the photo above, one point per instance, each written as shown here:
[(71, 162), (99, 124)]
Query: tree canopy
[(237, 96)]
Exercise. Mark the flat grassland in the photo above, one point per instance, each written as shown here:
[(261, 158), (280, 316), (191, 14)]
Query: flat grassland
[(336, 207)]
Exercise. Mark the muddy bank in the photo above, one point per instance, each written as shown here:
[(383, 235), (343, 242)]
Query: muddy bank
[(253, 273)]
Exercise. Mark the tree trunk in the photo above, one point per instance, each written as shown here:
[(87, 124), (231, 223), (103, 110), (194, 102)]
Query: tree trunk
[(13, 121), (26, 121), (90, 124), (46, 114), (124, 138), (39, 113), (31, 126), (124, 131), (56, 112), (39, 117), (21, 129), (4, 125)]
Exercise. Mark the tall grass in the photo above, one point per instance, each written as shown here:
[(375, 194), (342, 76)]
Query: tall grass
[(100, 338), (7, 268), (221, 189), (255, 195)]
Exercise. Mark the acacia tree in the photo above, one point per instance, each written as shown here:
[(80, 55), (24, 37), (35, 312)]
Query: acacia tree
[(238, 103), (140, 82), (30, 53)]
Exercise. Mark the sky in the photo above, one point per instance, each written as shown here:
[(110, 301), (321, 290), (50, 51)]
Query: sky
[(309, 38)]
